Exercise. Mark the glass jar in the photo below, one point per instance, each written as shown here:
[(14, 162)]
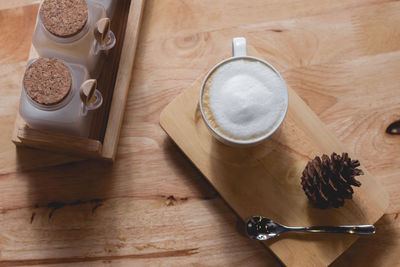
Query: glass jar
[(109, 6), (69, 116), (79, 48)]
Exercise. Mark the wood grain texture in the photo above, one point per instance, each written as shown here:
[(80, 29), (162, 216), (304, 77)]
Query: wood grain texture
[(265, 179), (17, 3), (58, 142), (179, 41), (123, 80)]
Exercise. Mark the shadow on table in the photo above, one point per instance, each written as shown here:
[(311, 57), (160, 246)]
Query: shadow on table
[(65, 201), (226, 219)]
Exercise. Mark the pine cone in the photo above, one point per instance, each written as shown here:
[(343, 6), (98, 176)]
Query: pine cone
[(327, 181)]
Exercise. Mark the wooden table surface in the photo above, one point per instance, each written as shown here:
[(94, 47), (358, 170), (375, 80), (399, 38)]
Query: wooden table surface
[(152, 207)]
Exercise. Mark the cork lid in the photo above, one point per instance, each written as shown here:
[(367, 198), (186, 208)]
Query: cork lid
[(64, 18), (47, 81)]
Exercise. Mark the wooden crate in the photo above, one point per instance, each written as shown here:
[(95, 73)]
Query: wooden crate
[(106, 125)]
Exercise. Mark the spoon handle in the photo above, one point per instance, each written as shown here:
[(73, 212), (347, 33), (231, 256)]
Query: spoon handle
[(345, 229)]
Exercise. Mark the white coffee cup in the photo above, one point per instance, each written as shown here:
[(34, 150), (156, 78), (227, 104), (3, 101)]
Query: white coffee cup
[(239, 52)]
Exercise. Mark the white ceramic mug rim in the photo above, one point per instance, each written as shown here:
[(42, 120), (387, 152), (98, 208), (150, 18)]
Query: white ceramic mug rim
[(236, 141)]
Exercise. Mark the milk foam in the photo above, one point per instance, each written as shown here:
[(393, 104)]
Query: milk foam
[(244, 99)]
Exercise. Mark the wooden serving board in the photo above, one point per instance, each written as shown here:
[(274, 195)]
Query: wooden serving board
[(113, 84), (265, 180)]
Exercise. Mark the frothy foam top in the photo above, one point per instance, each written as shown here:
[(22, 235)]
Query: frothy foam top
[(244, 99)]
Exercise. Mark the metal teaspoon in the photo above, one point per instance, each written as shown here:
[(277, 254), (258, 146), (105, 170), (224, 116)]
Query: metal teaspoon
[(261, 228)]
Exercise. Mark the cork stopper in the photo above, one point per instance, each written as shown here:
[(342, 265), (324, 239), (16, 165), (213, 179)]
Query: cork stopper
[(64, 18), (47, 81)]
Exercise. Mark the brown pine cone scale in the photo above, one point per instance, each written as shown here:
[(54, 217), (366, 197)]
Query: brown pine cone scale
[(327, 180)]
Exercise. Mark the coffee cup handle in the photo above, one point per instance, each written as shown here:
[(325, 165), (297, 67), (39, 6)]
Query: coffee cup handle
[(239, 47)]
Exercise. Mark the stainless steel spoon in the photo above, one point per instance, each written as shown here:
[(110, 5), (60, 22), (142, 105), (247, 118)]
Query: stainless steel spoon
[(261, 228)]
